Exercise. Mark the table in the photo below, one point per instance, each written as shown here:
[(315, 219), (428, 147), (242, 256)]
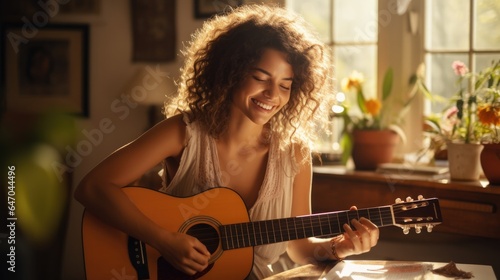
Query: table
[(381, 270)]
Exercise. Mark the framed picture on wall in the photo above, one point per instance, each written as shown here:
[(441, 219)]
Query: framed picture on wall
[(16, 10), (45, 68), (153, 30), (208, 8), (82, 7)]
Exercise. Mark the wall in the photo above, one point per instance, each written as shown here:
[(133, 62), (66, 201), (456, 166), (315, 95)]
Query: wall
[(110, 68), (402, 52)]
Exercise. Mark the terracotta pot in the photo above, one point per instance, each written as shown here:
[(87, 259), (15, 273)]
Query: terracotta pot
[(373, 147), (464, 162), (490, 161)]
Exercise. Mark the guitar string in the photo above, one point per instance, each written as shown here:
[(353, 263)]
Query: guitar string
[(314, 220)]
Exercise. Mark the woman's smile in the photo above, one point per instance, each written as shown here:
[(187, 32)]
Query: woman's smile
[(262, 105)]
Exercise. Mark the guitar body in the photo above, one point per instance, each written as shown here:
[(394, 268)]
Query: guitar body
[(106, 249)]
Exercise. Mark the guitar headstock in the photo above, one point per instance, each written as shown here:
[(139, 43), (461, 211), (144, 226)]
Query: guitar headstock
[(417, 213)]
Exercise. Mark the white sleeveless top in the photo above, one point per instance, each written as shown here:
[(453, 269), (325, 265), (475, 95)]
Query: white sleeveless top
[(199, 170)]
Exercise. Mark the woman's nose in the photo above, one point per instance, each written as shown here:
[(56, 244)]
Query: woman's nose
[(271, 91)]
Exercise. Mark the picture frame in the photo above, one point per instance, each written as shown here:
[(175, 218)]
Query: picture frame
[(45, 68), (81, 7), (153, 31), (207, 8), (16, 10)]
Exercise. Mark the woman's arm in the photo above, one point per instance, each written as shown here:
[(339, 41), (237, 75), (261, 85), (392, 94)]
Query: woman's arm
[(101, 193), (311, 250)]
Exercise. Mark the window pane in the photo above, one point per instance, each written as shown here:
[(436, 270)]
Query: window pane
[(447, 24), (487, 23), (485, 60), (355, 21), (359, 58), (441, 79), (316, 13)]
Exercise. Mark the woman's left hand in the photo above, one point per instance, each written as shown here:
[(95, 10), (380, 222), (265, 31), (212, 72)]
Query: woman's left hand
[(359, 240)]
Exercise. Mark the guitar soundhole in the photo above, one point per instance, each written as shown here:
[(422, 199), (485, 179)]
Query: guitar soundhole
[(207, 235)]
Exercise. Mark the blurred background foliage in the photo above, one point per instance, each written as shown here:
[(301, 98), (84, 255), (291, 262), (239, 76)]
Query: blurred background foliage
[(35, 145)]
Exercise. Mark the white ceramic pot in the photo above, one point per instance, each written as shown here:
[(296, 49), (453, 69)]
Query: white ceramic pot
[(464, 161)]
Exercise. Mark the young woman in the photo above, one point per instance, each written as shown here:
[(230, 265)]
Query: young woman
[(249, 99)]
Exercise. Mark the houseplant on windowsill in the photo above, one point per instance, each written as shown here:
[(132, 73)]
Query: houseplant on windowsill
[(371, 134), (488, 113), (471, 122)]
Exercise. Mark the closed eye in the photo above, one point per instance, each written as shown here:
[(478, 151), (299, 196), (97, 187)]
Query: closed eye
[(258, 79), (285, 87)]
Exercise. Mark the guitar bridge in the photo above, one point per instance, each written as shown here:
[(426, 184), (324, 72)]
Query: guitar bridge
[(138, 257)]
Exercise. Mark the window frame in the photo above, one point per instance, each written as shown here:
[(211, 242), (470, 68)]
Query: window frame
[(471, 51)]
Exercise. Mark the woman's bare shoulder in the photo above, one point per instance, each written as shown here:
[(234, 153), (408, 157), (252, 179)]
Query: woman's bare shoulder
[(170, 132), (126, 164), (175, 122)]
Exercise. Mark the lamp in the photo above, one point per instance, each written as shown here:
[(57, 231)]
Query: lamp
[(151, 87)]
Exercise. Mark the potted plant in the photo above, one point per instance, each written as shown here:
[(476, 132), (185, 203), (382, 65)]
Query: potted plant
[(371, 132), (488, 115), (470, 122)]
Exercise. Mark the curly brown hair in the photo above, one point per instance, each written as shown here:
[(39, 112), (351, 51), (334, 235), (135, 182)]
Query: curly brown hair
[(224, 50)]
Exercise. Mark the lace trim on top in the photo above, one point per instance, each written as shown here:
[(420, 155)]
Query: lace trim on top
[(271, 186)]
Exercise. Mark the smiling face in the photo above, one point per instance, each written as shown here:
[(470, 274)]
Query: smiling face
[(266, 89)]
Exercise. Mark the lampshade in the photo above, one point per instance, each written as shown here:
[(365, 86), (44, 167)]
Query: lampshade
[(151, 86)]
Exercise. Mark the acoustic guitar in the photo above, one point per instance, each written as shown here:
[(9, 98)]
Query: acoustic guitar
[(218, 217)]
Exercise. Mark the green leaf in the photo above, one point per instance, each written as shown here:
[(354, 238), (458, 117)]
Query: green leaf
[(361, 101), (490, 82), (434, 124), (387, 85), (460, 107), (346, 146), (399, 131), (413, 79), (426, 91)]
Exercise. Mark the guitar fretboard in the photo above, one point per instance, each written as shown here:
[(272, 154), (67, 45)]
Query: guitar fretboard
[(241, 235)]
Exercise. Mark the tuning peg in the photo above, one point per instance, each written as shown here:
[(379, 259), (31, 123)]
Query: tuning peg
[(429, 227), (398, 200), (418, 229), (406, 229), (409, 199), (420, 197)]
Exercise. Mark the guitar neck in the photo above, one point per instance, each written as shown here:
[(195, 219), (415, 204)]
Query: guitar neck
[(241, 235)]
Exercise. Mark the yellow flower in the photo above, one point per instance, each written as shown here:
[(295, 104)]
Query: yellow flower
[(488, 115), (373, 106), (353, 82)]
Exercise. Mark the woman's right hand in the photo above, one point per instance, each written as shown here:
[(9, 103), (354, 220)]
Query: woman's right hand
[(184, 252)]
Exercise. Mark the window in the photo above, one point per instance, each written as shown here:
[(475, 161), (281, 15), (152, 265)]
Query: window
[(372, 35), (350, 32), (465, 30)]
